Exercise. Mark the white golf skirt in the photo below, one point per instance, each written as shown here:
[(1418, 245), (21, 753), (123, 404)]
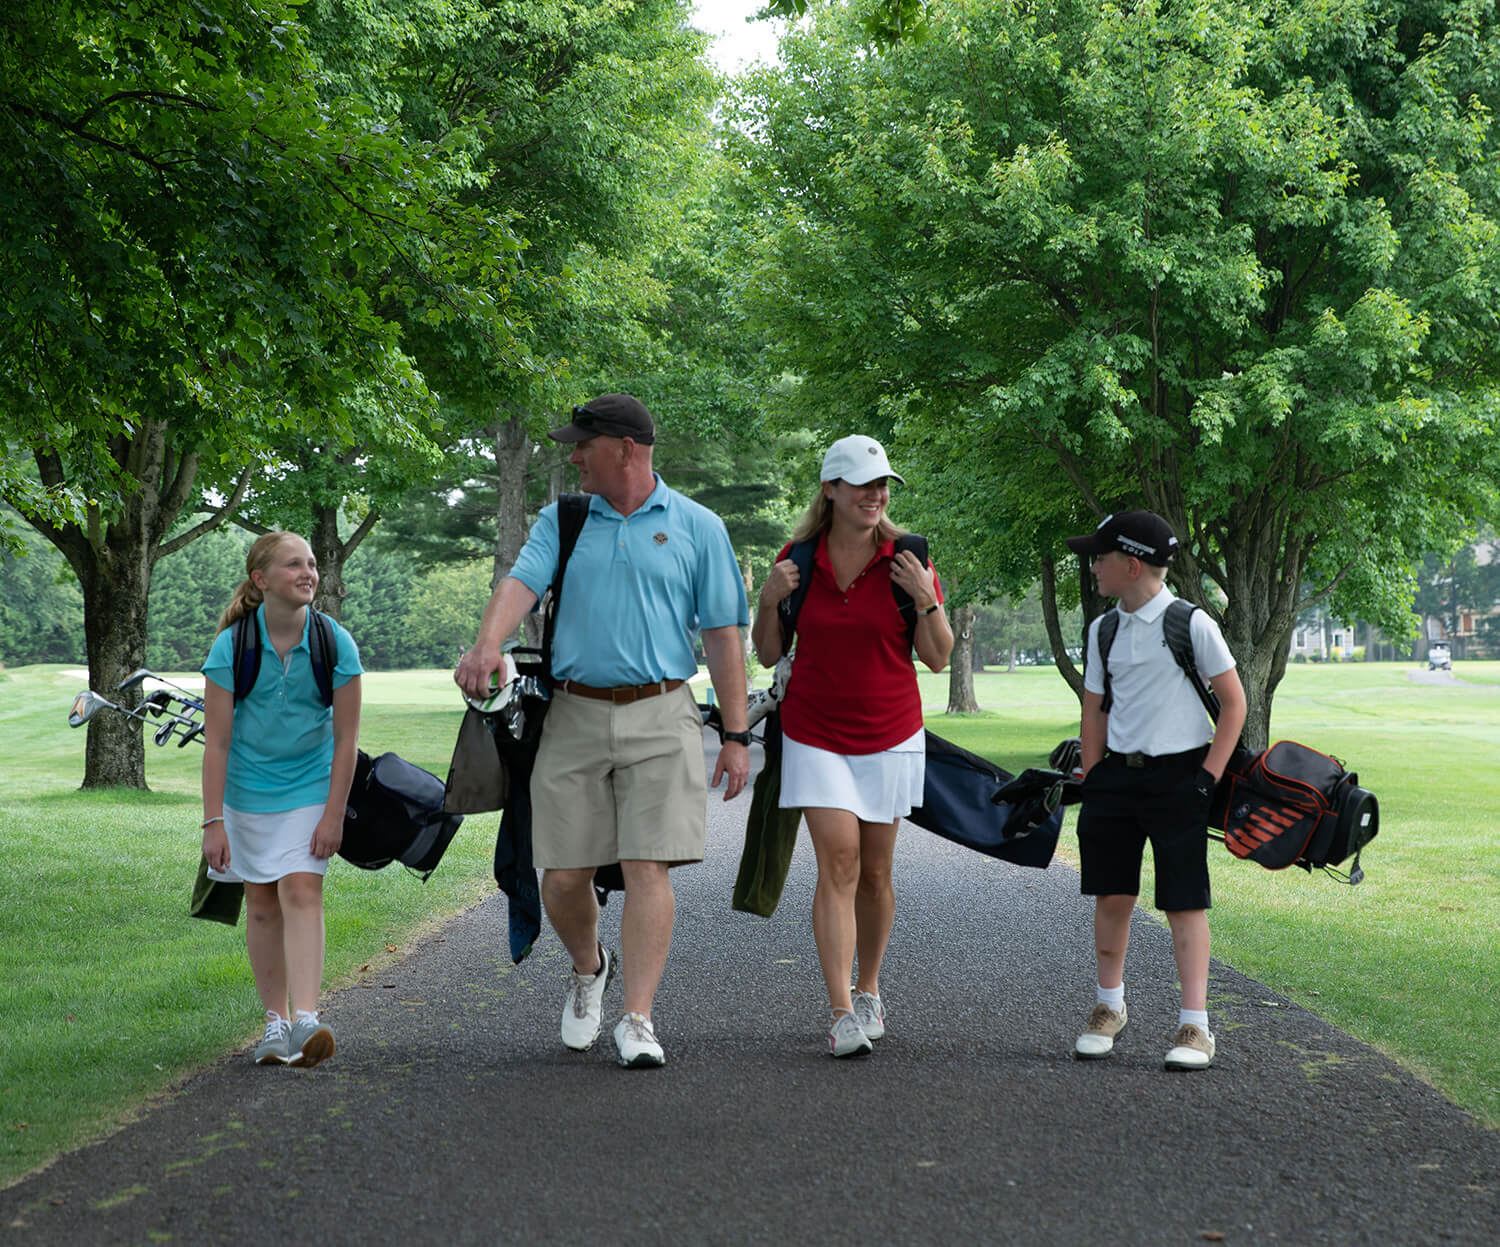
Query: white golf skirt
[(266, 847), (874, 787)]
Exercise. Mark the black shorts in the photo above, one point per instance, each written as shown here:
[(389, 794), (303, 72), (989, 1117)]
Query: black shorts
[(1124, 807)]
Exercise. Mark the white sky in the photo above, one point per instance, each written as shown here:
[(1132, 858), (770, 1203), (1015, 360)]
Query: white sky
[(737, 43)]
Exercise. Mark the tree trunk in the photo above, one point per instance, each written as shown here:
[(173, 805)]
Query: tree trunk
[(328, 549), (961, 699), (512, 457), (115, 594), (113, 556)]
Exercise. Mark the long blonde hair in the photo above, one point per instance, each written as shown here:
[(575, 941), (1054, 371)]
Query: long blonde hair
[(247, 595), (818, 519)]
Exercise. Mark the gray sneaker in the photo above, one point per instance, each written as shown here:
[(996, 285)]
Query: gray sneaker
[(584, 1006), (1098, 1038), (869, 1013), (636, 1043), (310, 1042), (274, 1049), (847, 1038)]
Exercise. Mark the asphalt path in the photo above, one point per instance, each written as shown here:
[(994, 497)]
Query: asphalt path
[(452, 1113)]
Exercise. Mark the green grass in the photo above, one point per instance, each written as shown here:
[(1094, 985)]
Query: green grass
[(1403, 961), (109, 992)]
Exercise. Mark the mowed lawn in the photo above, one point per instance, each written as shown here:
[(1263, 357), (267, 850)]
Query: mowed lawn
[(109, 992)]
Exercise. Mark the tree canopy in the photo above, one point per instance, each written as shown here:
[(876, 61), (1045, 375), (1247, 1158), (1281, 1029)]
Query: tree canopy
[(1234, 262), (204, 248)]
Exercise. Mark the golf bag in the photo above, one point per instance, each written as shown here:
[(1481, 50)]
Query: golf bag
[(973, 802), (1293, 806), (395, 814)]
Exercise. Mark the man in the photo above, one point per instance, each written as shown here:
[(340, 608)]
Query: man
[(619, 775)]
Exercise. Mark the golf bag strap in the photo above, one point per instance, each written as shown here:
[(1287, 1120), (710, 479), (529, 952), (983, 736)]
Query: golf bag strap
[(322, 649), (801, 553), (1177, 630), (572, 511)]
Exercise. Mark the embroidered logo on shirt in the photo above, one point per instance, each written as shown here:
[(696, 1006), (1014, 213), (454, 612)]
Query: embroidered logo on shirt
[(660, 539)]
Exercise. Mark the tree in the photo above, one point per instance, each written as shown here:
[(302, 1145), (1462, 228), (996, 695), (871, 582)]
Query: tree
[(189, 592), (584, 123), (202, 249), (1236, 264), (41, 610)]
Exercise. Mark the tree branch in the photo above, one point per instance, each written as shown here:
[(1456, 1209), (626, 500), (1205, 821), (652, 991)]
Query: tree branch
[(217, 518)]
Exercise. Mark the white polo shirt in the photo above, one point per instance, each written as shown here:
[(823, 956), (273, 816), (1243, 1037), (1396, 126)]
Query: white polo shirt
[(1155, 709)]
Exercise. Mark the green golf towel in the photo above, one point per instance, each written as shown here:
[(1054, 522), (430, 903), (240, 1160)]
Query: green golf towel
[(770, 837), (216, 901)]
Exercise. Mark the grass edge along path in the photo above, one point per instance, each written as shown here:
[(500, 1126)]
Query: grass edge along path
[(111, 996)]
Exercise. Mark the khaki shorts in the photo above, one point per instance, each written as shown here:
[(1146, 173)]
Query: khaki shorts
[(619, 783)]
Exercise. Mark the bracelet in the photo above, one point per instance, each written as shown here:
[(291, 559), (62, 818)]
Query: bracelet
[(930, 609), (204, 826)]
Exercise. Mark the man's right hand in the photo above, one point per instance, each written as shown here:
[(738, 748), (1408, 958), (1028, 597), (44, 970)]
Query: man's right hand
[(475, 669)]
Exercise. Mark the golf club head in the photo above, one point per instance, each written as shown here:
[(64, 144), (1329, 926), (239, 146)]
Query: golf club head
[(86, 705), (158, 703), (134, 678), (193, 733), (164, 732)]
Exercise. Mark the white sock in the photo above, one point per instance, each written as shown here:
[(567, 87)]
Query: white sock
[(1195, 1017), (1114, 997)]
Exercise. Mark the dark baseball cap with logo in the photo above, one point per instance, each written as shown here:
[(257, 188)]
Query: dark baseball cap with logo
[(1140, 534), (609, 415)]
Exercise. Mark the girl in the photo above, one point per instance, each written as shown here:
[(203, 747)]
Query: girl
[(853, 757), (276, 773)]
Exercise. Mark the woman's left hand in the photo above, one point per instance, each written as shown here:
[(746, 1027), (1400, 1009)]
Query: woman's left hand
[(909, 573), (327, 836)]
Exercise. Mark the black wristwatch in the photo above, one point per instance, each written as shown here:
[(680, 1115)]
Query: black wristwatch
[(739, 738)]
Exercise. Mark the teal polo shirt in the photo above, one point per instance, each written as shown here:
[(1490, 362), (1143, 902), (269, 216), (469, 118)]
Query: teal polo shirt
[(281, 752), (637, 588)]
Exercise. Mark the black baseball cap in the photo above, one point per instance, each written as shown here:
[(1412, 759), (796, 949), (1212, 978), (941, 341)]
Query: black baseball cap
[(609, 415), (1140, 534)]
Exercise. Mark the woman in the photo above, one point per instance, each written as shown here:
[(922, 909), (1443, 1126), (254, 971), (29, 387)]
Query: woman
[(852, 753), (276, 773)]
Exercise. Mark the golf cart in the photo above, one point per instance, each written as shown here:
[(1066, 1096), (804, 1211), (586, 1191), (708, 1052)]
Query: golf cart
[(1439, 656)]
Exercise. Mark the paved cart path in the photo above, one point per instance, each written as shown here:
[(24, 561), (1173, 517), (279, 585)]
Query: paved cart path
[(452, 1114)]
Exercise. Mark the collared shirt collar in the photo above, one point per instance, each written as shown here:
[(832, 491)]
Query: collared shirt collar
[(659, 498), (265, 632), (1150, 611)]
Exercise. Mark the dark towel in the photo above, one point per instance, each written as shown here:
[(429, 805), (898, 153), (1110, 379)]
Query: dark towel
[(218, 902), (770, 835)]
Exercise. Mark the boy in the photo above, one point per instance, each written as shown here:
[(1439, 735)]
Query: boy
[(1150, 761)]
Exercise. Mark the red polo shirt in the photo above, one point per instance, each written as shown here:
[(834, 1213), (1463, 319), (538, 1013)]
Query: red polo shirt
[(853, 688)]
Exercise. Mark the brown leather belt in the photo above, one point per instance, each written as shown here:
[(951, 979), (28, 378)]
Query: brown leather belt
[(622, 695)]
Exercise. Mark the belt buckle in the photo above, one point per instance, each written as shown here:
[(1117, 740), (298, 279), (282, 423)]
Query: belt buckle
[(622, 696), (1135, 759)]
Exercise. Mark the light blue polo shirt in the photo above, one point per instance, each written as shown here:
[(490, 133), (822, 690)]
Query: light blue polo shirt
[(636, 589), (281, 752)]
